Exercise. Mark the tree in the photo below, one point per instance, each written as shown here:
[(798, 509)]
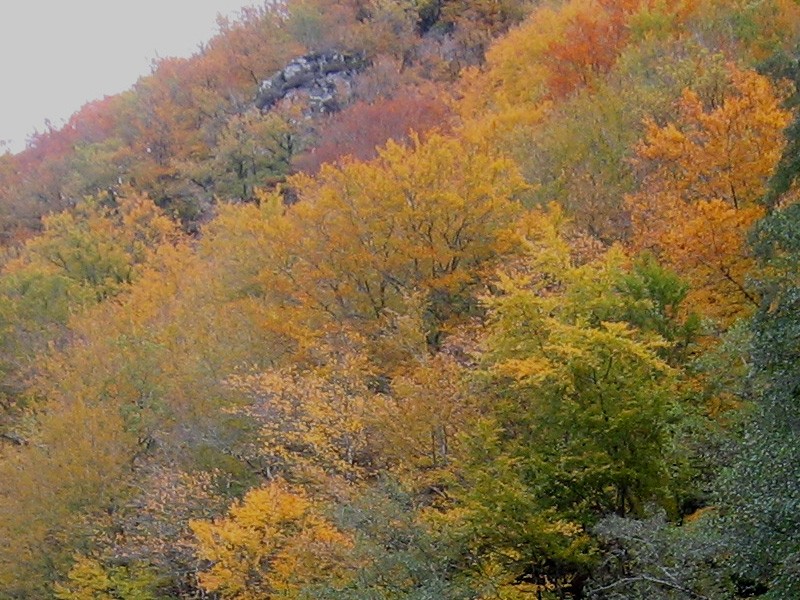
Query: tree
[(758, 493), (474, 24), (708, 172), (554, 52), (252, 150), (598, 396), (362, 128), (101, 247), (89, 579), (323, 25), (314, 418), (577, 418), (651, 558), (400, 550), (426, 217), (62, 487), (589, 45), (417, 426), (270, 545), (579, 154), (83, 257)]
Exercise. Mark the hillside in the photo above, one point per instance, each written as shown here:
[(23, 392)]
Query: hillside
[(431, 299)]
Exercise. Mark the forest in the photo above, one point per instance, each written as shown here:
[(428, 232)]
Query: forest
[(414, 299)]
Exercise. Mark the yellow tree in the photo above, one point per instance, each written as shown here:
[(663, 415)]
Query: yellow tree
[(142, 379), (427, 218), (560, 48), (704, 177), (416, 423), (57, 489), (270, 545), (313, 415), (96, 249)]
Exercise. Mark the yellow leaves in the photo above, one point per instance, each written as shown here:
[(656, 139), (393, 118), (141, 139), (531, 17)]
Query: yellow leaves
[(560, 347), (553, 316), (424, 217), (417, 425), (90, 579), (516, 73), (97, 251), (543, 239), (528, 371), (497, 582), (271, 544), (510, 92), (495, 129), (667, 143), (78, 462), (313, 420)]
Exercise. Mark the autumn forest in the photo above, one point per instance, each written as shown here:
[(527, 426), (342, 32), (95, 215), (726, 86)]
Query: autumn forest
[(414, 299)]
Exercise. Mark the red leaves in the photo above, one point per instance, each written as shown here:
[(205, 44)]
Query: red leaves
[(363, 127)]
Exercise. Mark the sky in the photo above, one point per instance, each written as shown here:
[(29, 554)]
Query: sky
[(56, 55)]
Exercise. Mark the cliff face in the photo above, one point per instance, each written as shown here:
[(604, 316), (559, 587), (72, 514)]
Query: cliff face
[(325, 78)]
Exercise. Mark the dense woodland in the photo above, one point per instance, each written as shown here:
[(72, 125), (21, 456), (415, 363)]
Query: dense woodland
[(517, 316)]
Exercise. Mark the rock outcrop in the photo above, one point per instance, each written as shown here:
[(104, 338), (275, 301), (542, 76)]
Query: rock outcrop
[(324, 78)]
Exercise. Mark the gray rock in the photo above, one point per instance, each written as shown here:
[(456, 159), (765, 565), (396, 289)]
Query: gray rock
[(321, 76)]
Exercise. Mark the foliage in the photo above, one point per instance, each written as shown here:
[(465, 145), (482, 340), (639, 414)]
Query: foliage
[(708, 172), (757, 493), (397, 375), (314, 419), (425, 217), (578, 424), (361, 129), (90, 579), (269, 546), (398, 552), (650, 558)]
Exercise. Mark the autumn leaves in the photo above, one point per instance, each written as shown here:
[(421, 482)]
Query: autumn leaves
[(706, 175), (428, 370)]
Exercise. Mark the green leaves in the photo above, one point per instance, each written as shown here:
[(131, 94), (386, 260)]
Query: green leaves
[(579, 401), (759, 493)]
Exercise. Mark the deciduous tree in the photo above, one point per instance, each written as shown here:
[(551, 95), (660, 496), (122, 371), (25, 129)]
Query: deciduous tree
[(706, 174), (271, 544)]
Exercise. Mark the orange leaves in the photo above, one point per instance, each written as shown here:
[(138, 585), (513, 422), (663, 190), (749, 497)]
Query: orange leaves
[(589, 46), (706, 174), (708, 244), (726, 152), (556, 53), (553, 53)]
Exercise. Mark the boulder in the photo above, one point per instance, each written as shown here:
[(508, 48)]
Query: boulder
[(321, 76)]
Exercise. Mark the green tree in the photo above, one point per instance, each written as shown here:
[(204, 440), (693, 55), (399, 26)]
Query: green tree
[(759, 493), (578, 418), (252, 150)]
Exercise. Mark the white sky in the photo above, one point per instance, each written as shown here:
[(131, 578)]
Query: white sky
[(56, 55)]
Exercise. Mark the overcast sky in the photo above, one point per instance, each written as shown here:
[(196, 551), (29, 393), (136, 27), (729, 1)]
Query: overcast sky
[(56, 55)]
